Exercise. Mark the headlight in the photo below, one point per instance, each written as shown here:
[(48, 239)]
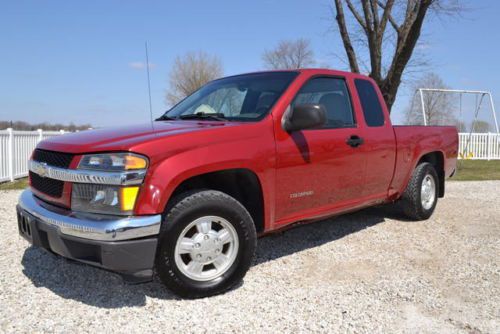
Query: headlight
[(104, 198), (99, 198), (113, 162)]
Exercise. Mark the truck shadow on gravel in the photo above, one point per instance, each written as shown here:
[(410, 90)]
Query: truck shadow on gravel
[(97, 287), (306, 236)]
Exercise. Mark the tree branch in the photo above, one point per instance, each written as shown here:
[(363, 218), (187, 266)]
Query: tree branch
[(351, 55), (367, 13), (407, 39), (374, 43), (412, 10), (356, 15), (386, 16), (373, 6)]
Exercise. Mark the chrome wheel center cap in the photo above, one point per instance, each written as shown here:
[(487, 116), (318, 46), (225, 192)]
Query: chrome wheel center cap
[(206, 247)]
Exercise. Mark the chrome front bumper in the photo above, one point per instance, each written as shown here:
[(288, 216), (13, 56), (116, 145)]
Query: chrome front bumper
[(90, 226)]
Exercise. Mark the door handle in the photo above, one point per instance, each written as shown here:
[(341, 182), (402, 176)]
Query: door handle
[(354, 141)]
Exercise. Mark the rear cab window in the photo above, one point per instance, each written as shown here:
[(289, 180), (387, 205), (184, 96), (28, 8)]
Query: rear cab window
[(370, 103)]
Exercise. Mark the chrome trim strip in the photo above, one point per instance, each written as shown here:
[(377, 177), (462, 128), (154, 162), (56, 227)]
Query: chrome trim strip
[(90, 226), (87, 176)]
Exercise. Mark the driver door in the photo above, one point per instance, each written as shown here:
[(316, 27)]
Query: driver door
[(317, 170)]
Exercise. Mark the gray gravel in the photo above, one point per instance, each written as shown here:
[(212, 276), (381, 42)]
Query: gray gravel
[(365, 272)]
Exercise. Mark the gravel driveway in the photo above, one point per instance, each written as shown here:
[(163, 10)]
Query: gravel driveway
[(365, 272)]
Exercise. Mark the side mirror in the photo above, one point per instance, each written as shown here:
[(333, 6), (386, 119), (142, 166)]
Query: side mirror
[(304, 116)]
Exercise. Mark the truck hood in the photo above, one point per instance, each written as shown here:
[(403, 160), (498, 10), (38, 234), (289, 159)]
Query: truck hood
[(124, 138)]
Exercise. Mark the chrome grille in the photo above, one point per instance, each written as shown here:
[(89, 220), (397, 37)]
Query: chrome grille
[(50, 187), (53, 188), (56, 159)]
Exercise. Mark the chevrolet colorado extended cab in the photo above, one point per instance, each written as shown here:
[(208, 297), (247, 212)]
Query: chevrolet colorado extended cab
[(186, 196)]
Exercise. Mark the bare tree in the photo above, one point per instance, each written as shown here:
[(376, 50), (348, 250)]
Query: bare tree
[(190, 72), (481, 126), (439, 106), (461, 126), (289, 55), (367, 29)]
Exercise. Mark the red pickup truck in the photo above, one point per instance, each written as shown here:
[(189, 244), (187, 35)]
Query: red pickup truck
[(187, 196)]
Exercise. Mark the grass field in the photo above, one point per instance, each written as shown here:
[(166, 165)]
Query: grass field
[(18, 184), (468, 170), (477, 170)]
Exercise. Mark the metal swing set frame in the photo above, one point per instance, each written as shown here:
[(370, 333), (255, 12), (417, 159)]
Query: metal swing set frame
[(480, 93)]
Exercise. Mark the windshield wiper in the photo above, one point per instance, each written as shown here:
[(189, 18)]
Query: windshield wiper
[(165, 118), (202, 115)]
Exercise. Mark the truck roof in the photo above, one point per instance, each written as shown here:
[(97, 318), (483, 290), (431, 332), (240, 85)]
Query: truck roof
[(311, 71)]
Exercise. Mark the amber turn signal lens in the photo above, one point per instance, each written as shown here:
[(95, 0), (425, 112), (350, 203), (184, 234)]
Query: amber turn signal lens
[(128, 195), (135, 162)]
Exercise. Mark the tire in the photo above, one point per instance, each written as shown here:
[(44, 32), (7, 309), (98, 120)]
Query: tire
[(415, 202), (229, 220)]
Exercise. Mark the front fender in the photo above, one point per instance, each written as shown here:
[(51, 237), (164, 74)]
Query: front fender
[(257, 155)]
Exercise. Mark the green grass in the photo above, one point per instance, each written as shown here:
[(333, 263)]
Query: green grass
[(477, 170), (17, 184)]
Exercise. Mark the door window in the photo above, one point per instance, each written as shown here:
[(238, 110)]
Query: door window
[(332, 93)]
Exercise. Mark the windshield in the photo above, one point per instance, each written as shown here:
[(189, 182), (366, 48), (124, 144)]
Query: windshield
[(246, 97)]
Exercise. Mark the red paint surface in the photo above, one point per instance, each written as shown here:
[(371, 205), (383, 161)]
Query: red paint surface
[(341, 178)]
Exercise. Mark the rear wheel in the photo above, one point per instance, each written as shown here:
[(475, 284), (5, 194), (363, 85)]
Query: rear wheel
[(207, 244), (420, 197)]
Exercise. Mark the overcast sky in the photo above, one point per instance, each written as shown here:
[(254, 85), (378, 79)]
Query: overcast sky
[(83, 61)]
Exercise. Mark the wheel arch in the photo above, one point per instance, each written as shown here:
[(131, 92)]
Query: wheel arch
[(242, 184), (436, 159)]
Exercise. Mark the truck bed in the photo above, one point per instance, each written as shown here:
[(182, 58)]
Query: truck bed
[(413, 142)]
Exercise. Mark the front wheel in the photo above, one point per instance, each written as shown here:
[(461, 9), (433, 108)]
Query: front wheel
[(420, 197), (207, 244)]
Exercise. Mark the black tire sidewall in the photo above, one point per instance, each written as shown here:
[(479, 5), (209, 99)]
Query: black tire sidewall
[(190, 208), (412, 198)]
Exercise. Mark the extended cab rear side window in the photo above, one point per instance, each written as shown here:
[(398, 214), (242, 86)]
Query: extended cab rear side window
[(372, 110), (332, 93)]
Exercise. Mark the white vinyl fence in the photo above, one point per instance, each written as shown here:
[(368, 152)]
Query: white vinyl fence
[(479, 146), (15, 150)]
